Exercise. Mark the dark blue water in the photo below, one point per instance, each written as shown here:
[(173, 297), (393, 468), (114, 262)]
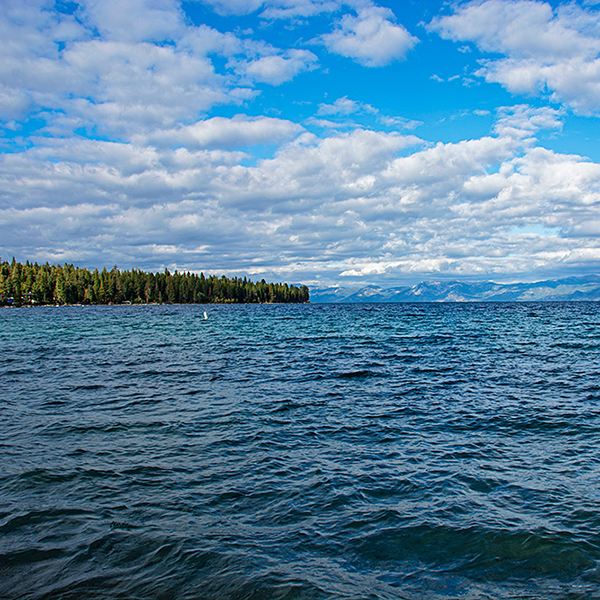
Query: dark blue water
[(296, 452)]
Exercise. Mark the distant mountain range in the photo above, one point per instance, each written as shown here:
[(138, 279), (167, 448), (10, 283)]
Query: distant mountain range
[(572, 288)]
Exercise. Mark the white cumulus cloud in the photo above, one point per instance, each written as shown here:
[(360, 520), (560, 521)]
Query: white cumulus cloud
[(544, 49), (234, 7), (134, 20), (525, 121), (126, 68), (220, 132), (274, 9), (343, 106), (370, 38), (277, 69)]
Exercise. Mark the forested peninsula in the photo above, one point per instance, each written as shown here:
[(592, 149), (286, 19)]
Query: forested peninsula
[(33, 284)]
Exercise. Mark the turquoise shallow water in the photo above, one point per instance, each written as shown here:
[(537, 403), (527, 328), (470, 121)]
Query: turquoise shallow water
[(306, 451)]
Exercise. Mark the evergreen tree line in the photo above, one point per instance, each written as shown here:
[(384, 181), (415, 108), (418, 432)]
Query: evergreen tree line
[(22, 284)]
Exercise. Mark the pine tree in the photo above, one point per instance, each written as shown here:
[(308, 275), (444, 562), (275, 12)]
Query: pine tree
[(66, 284)]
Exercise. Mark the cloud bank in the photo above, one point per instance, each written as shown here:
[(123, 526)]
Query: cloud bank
[(349, 205)]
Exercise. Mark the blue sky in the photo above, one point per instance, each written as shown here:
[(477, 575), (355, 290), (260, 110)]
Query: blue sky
[(324, 142)]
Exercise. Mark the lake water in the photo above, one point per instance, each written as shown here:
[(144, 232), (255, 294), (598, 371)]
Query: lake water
[(386, 451)]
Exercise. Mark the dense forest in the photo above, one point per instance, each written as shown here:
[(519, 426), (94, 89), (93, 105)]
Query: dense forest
[(27, 284)]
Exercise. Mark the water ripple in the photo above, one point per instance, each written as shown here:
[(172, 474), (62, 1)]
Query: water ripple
[(301, 452)]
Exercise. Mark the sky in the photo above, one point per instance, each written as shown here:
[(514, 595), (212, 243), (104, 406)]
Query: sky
[(321, 142)]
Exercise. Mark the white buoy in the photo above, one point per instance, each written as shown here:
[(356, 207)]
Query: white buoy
[(205, 315)]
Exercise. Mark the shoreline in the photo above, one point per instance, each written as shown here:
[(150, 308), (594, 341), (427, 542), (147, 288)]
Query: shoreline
[(123, 304)]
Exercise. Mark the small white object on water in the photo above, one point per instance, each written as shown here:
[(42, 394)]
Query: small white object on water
[(205, 315)]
